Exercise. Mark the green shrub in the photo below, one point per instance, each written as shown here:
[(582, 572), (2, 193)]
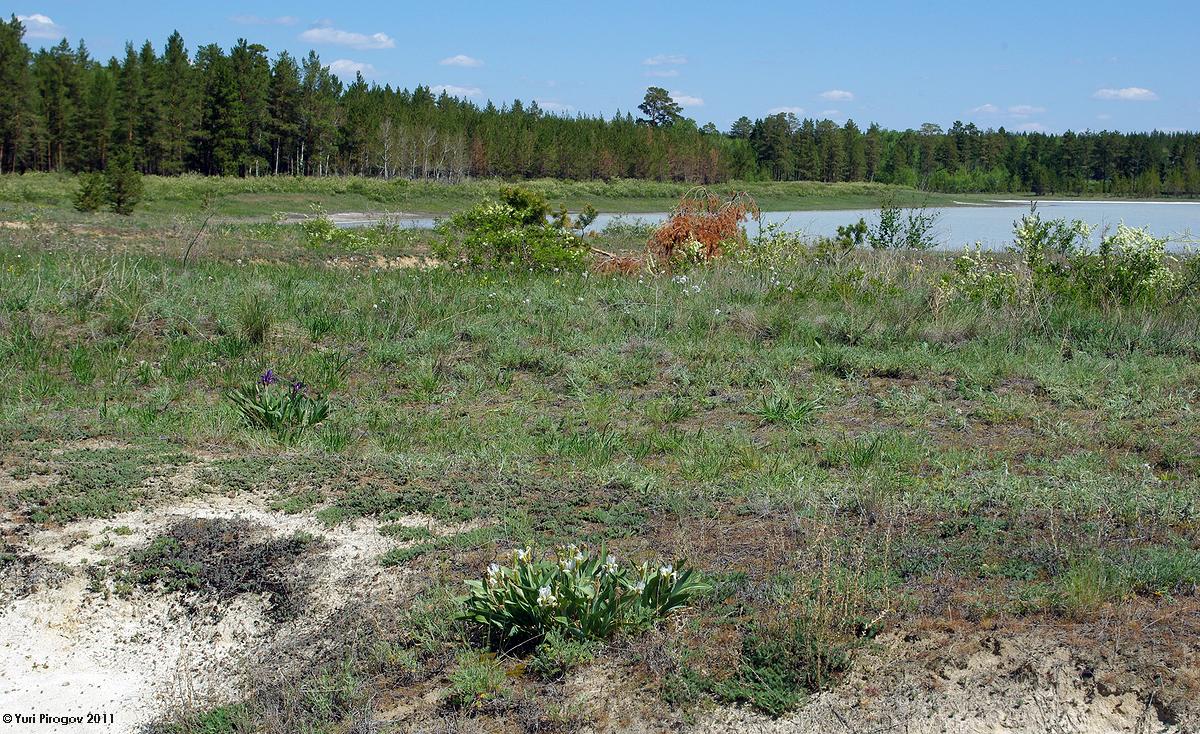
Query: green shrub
[(979, 277), (899, 229), (1130, 265), (510, 233), (92, 192), (124, 185), (579, 595), (285, 409), (1036, 240), (321, 231)]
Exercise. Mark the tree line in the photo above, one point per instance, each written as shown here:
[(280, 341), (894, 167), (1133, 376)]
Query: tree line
[(242, 112)]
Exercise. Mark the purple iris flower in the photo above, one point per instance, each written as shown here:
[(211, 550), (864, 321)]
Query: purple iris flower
[(298, 386), (268, 378)]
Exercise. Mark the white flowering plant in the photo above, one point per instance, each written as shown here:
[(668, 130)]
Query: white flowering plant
[(1130, 264), (573, 592)]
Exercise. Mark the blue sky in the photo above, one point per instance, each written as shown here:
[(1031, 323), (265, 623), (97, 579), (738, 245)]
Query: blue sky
[(1035, 66)]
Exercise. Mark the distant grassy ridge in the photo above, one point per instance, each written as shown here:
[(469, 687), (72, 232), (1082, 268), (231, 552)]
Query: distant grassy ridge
[(245, 197)]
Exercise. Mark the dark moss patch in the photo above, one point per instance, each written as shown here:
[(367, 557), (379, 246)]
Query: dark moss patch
[(222, 559)]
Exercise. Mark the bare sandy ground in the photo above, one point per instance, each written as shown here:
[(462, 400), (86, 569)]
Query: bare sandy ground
[(67, 650)]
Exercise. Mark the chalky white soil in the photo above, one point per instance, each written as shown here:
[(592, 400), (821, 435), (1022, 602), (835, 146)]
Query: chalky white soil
[(68, 651)]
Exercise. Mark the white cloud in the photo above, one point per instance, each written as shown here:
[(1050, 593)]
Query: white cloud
[(347, 68), (687, 100), (837, 95), (1103, 116), (462, 60), (986, 109), (1127, 94), (40, 26), (665, 60), (550, 105), (455, 91), (1025, 110), (1033, 127), (831, 113), (663, 72), (259, 20), (786, 110), (362, 41)]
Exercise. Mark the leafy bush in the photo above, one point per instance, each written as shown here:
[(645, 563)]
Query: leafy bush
[(576, 594), (978, 277), (320, 231), (1036, 240), (1130, 264), (285, 409), (772, 248), (92, 193), (510, 233), (900, 229)]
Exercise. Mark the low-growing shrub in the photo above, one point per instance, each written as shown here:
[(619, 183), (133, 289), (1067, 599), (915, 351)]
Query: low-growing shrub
[(92, 192), (577, 594), (123, 185), (321, 231), (284, 408), (510, 233), (1130, 265), (980, 277), (772, 249), (216, 557), (901, 229)]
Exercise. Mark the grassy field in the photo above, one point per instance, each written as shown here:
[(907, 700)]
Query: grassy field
[(858, 468), (239, 198)]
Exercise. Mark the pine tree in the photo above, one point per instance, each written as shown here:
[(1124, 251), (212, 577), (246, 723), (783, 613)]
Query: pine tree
[(129, 96), (252, 79), (222, 138), (17, 100), (284, 112), (177, 113), (98, 119)]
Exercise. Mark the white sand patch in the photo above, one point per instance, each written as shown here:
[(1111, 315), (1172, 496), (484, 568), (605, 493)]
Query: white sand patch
[(66, 650)]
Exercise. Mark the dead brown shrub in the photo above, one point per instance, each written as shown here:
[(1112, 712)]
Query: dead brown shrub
[(700, 226)]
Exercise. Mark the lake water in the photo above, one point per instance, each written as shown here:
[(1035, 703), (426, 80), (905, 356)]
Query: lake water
[(990, 225)]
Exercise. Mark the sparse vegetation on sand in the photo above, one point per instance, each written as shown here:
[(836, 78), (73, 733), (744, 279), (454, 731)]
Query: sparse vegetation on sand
[(910, 485)]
